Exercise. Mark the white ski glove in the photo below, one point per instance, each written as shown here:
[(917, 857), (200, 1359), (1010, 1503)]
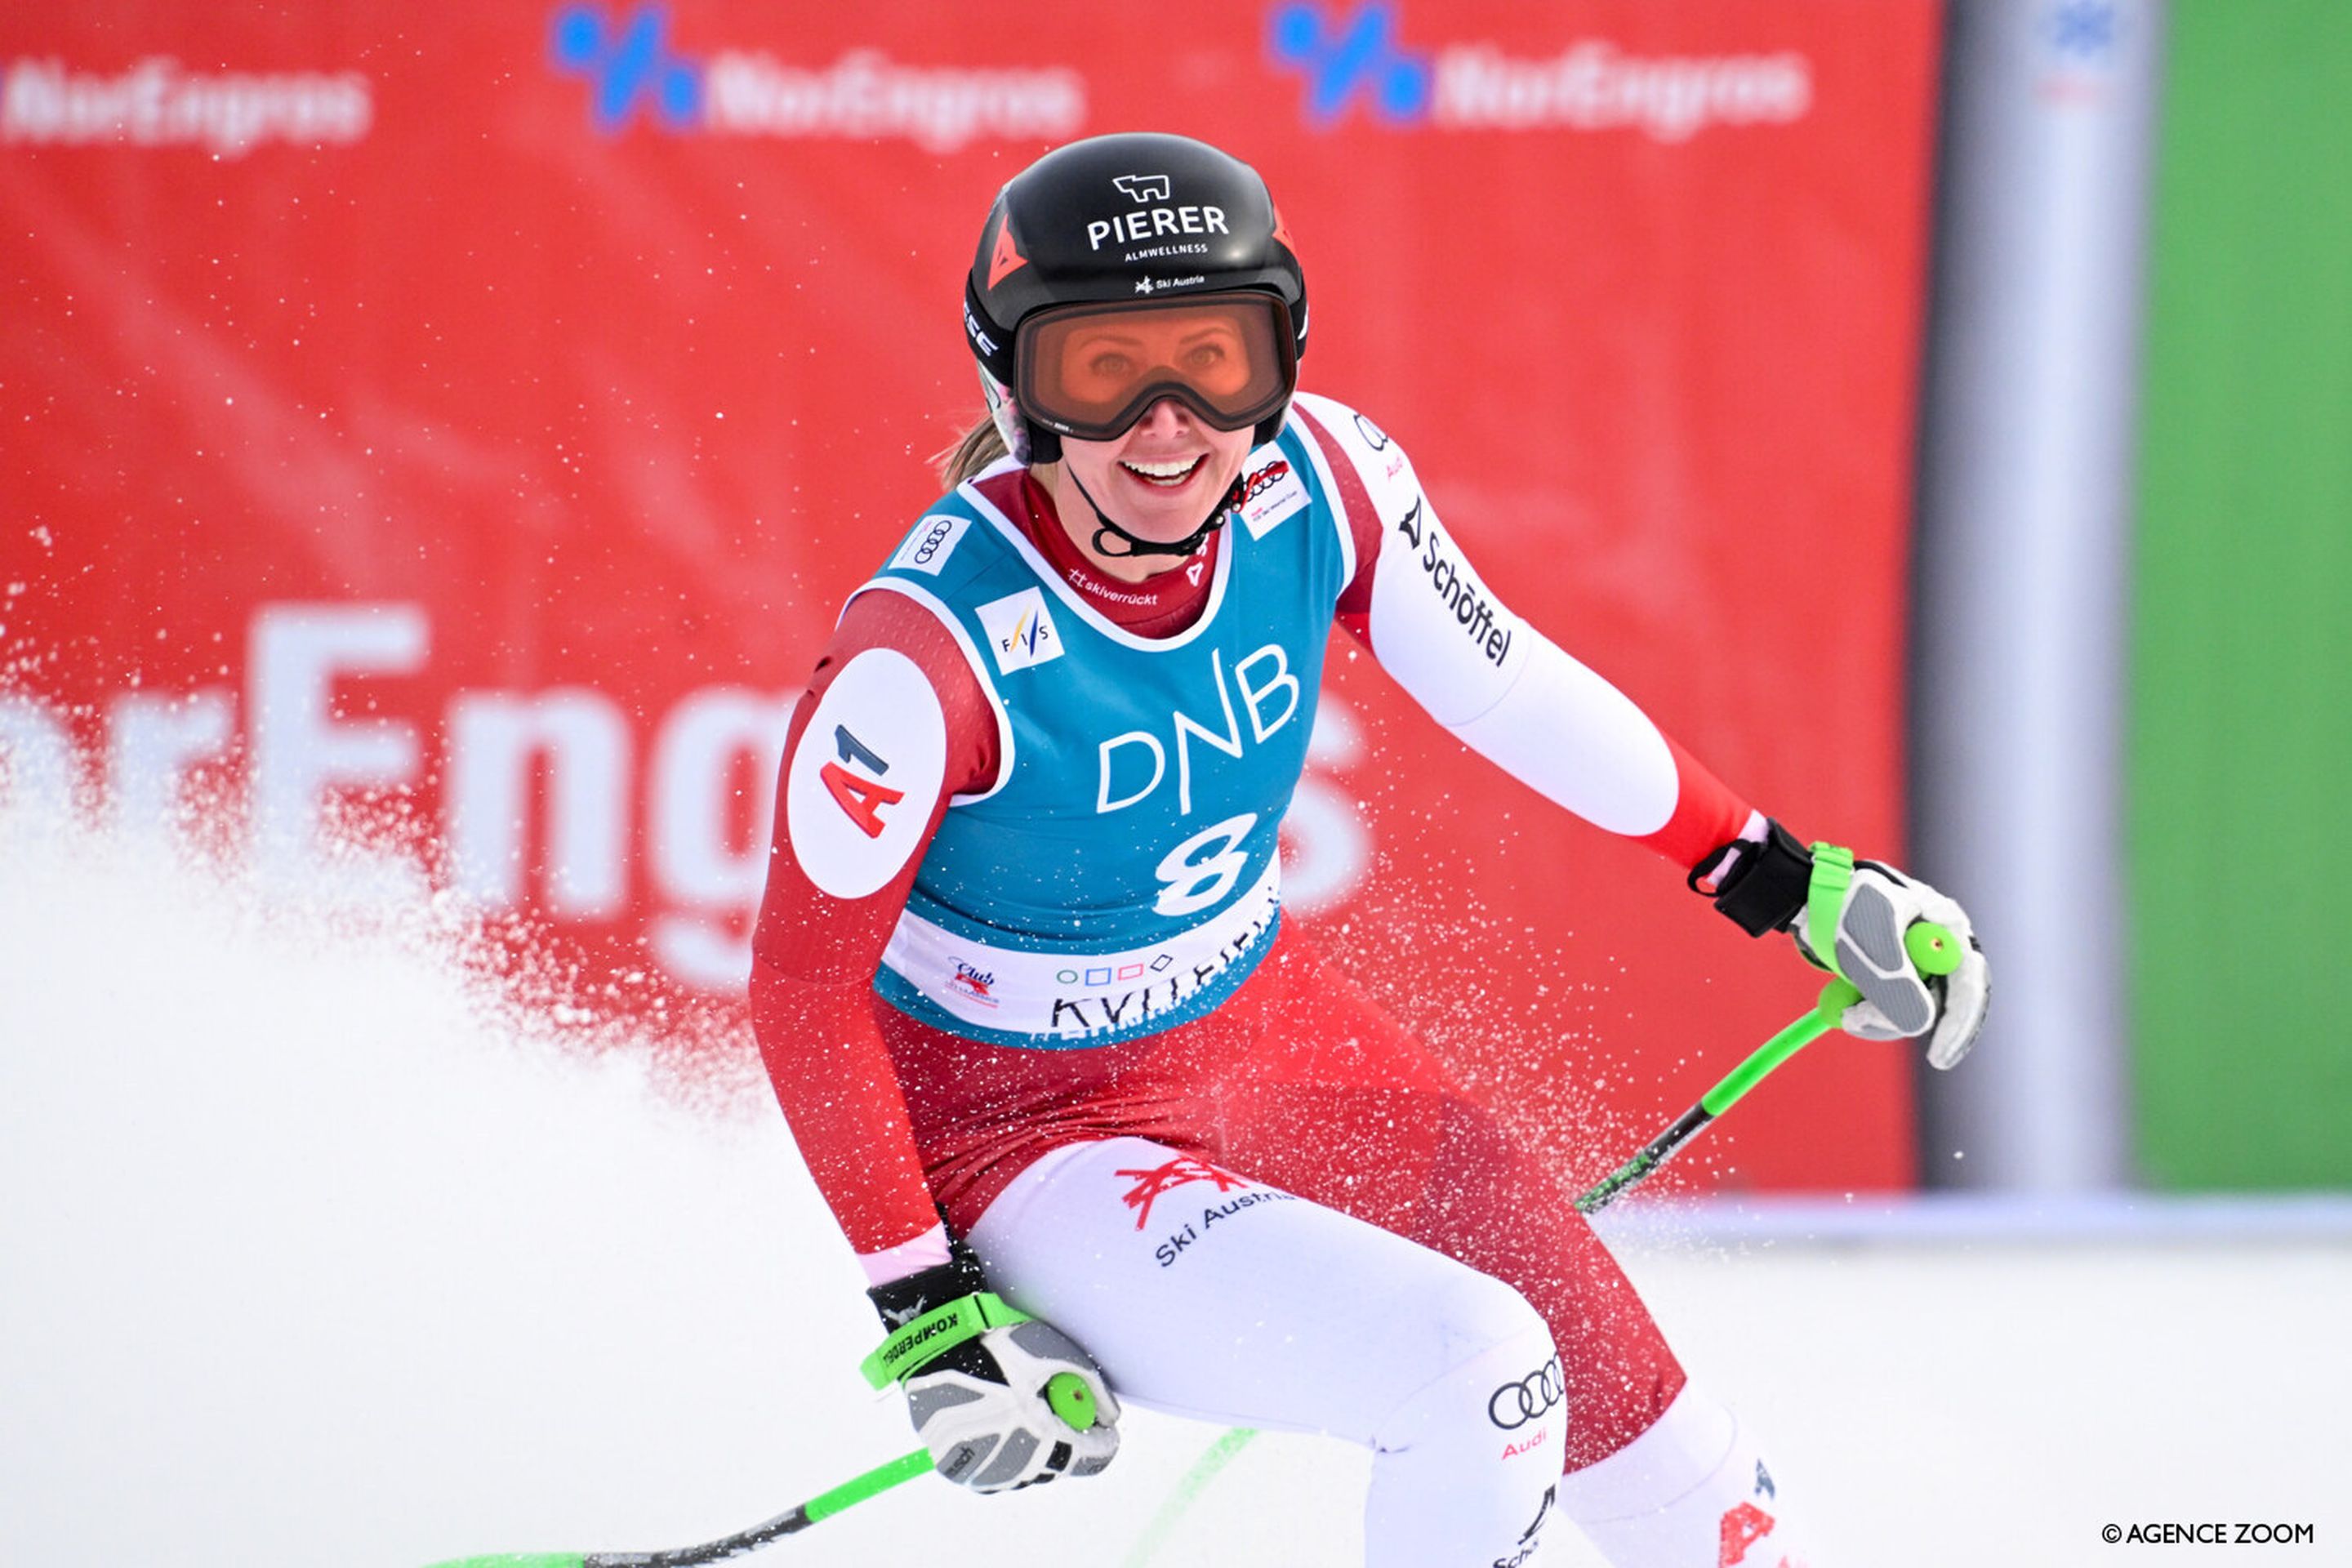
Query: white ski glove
[(1002, 1400), (1858, 915), (1856, 919)]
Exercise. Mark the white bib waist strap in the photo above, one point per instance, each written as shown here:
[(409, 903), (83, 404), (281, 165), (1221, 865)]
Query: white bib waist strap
[(1074, 994)]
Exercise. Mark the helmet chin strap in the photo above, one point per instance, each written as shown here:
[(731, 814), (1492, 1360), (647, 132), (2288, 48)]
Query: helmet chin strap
[(1109, 531)]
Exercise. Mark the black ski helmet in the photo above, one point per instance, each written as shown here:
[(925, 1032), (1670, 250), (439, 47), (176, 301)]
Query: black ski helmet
[(1120, 217)]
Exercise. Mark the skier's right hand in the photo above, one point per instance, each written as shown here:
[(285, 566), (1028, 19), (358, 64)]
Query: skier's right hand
[(1002, 1400)]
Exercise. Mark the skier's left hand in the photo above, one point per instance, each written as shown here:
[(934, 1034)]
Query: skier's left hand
[(1856, 916), (1851, 917)]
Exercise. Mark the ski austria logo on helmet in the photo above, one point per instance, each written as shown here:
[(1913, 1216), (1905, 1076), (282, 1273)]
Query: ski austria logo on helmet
[(1020, 631), (1269, 494)]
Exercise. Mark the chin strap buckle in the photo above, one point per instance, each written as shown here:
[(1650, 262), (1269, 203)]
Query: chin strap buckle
[(1182, 547)]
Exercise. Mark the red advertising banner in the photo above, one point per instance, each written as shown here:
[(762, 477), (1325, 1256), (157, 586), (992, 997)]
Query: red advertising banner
[(480, 413)]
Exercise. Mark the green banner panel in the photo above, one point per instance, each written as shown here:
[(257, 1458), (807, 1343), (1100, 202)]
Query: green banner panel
[(2240, 838)]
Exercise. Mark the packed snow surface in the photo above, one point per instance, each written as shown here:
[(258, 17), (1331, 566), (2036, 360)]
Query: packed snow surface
[(318, 1247)]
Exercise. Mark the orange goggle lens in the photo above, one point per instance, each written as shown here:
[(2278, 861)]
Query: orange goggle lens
[(1090, 371)]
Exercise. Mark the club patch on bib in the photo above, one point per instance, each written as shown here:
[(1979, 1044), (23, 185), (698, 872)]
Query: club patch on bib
[(1271, 492)]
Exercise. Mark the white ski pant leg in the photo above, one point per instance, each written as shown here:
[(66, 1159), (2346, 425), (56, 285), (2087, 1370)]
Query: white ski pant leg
[(1691, 1492), (1203, 1294)]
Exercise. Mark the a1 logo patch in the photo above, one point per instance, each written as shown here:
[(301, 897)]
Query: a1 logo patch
[(863, 797), (867, 769)]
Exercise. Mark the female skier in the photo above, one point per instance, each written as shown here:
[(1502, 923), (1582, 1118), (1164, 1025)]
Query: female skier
[(1022, 981)]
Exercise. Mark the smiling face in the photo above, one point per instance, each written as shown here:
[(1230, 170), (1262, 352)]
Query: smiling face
[(1157, 406), (1158, 481)]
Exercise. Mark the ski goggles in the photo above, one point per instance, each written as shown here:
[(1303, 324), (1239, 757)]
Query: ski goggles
[(1090, 371)]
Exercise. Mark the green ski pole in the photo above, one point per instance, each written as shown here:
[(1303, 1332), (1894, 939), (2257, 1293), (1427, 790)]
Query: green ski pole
[(1068, 1395), (880, 1478), (1931, 947)]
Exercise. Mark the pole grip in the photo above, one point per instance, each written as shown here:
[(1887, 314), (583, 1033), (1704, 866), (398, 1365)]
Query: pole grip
[(1933, 948)]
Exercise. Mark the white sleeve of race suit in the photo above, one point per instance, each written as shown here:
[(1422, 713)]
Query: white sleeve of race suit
[(1500, 685)]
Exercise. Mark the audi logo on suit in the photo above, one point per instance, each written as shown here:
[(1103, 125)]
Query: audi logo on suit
[(1515, 1404)]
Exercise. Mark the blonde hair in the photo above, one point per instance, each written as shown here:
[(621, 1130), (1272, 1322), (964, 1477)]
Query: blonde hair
[(981, 444)]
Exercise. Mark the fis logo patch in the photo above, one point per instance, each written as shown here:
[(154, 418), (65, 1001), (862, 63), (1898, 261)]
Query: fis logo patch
[(1020, 632)]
